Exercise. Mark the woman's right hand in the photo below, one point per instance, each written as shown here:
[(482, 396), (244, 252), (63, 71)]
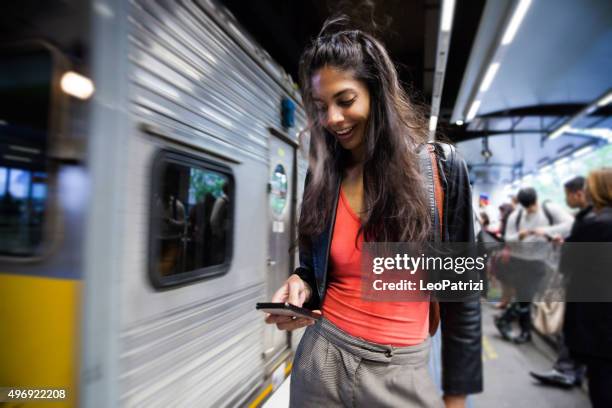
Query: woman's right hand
[(296, 292)]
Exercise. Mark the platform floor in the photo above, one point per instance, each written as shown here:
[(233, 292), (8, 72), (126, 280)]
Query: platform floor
[(507, 382)]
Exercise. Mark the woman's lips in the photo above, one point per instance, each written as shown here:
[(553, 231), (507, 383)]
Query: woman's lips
[(344, 135)]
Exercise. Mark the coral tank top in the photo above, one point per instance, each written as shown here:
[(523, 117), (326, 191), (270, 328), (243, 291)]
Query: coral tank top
[(393, 323)]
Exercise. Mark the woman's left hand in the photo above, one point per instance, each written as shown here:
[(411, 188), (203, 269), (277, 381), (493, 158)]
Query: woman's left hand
[(454, 401)]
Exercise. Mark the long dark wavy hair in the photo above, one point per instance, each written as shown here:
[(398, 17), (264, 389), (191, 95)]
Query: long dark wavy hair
[(396, 207)]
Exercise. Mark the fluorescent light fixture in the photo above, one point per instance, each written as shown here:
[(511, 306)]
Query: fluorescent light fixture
[(448, 8), (583, 151), (17, 158), (473, 110), (433, 122), (486, 82), (559, 132), (459, 123), (77, 85), (561, 161), (546, 168), (605, 100), (24, 149), (515, 22)]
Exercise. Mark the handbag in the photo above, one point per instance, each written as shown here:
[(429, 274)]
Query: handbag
[(548, 310)]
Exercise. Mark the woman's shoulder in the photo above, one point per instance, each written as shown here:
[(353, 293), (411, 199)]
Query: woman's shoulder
[(596, 226)]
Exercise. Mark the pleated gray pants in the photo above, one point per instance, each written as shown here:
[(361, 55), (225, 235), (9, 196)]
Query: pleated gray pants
[(331, 368)]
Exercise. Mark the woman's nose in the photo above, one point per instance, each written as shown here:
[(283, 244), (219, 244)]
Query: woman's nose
[(334, 117)]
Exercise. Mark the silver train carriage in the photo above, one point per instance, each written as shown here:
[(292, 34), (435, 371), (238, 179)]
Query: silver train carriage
[(140, 224)]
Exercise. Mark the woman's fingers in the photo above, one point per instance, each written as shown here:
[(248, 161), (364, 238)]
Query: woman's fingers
[(295, 324), (273, 319)]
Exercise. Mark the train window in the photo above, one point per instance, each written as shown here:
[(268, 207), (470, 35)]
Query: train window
[(25, 101), (192, 217), (278, 190)]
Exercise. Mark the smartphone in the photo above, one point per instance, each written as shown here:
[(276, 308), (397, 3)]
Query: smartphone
[(286, 309)]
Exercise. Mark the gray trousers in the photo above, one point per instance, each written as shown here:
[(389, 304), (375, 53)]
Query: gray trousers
[(331, 368)]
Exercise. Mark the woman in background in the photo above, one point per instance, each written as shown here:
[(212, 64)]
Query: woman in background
[(588, 325)]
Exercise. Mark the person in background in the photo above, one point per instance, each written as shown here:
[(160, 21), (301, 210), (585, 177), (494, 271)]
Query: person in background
[(532, 225), (501, 259), (566, 372), (588, 325)]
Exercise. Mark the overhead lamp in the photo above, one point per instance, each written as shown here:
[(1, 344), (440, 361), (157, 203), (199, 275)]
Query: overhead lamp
[(488, 79), (515, 22), (546, 168), (433, 122), (77, 85), (559, 131), (605, 100), (561, 161), (473, 110), (583, 151), (459, 123), (448, 8)]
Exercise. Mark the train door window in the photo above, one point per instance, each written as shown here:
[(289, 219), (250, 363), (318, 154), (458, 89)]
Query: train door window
[(191, 222), (26, 78), (278, 190)]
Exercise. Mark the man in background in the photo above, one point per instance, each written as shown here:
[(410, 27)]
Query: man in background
[(529, 230), (566, 372)]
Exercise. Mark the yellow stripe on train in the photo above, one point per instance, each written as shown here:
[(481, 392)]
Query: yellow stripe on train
[(39, 339)]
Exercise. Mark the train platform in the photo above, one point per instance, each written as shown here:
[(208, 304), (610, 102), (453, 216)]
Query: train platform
[(507, 382)]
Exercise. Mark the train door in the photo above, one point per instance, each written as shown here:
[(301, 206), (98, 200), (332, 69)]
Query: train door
[(281, 192)]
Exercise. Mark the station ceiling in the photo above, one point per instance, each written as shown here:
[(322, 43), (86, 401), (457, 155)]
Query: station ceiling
[(409, 30)]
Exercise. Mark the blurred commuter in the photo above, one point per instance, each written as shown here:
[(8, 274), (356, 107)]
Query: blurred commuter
[(365, 184), (567, 372), (500, 263), (588, 325), (504, 213), (532, 225)]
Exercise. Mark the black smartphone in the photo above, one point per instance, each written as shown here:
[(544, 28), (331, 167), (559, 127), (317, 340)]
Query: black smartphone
[(286, 309)]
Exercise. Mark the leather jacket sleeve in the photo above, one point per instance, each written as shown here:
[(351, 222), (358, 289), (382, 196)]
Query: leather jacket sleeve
[(460, 321), (306, 269)]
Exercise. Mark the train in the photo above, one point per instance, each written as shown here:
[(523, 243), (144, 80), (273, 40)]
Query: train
[(152, 157)]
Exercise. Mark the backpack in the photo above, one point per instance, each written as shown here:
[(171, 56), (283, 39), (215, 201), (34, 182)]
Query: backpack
[(547, 213)]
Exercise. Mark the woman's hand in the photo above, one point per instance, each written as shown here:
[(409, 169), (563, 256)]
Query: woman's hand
[(296, 292), (454, 401)]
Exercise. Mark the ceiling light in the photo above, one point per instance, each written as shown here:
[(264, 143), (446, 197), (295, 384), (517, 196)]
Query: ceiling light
[(77, 85), (546, 168), (448, 7), (459, 123), (486, 82), (605, 100), (515, 22), (583, 151), (433, 122), (558, 132), (473, 110)]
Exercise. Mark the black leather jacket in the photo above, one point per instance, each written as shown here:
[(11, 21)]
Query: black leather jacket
[(460, 321)]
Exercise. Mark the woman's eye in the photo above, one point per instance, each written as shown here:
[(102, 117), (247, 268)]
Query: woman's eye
[(347, 102)]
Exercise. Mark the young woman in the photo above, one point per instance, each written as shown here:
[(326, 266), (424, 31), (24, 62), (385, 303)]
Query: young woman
[(365, 184)]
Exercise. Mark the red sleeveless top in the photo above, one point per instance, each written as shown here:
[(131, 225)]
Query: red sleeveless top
[(394, 323)]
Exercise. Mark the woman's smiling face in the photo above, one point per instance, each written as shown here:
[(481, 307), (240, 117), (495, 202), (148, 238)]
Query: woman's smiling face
[(343, 106)]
